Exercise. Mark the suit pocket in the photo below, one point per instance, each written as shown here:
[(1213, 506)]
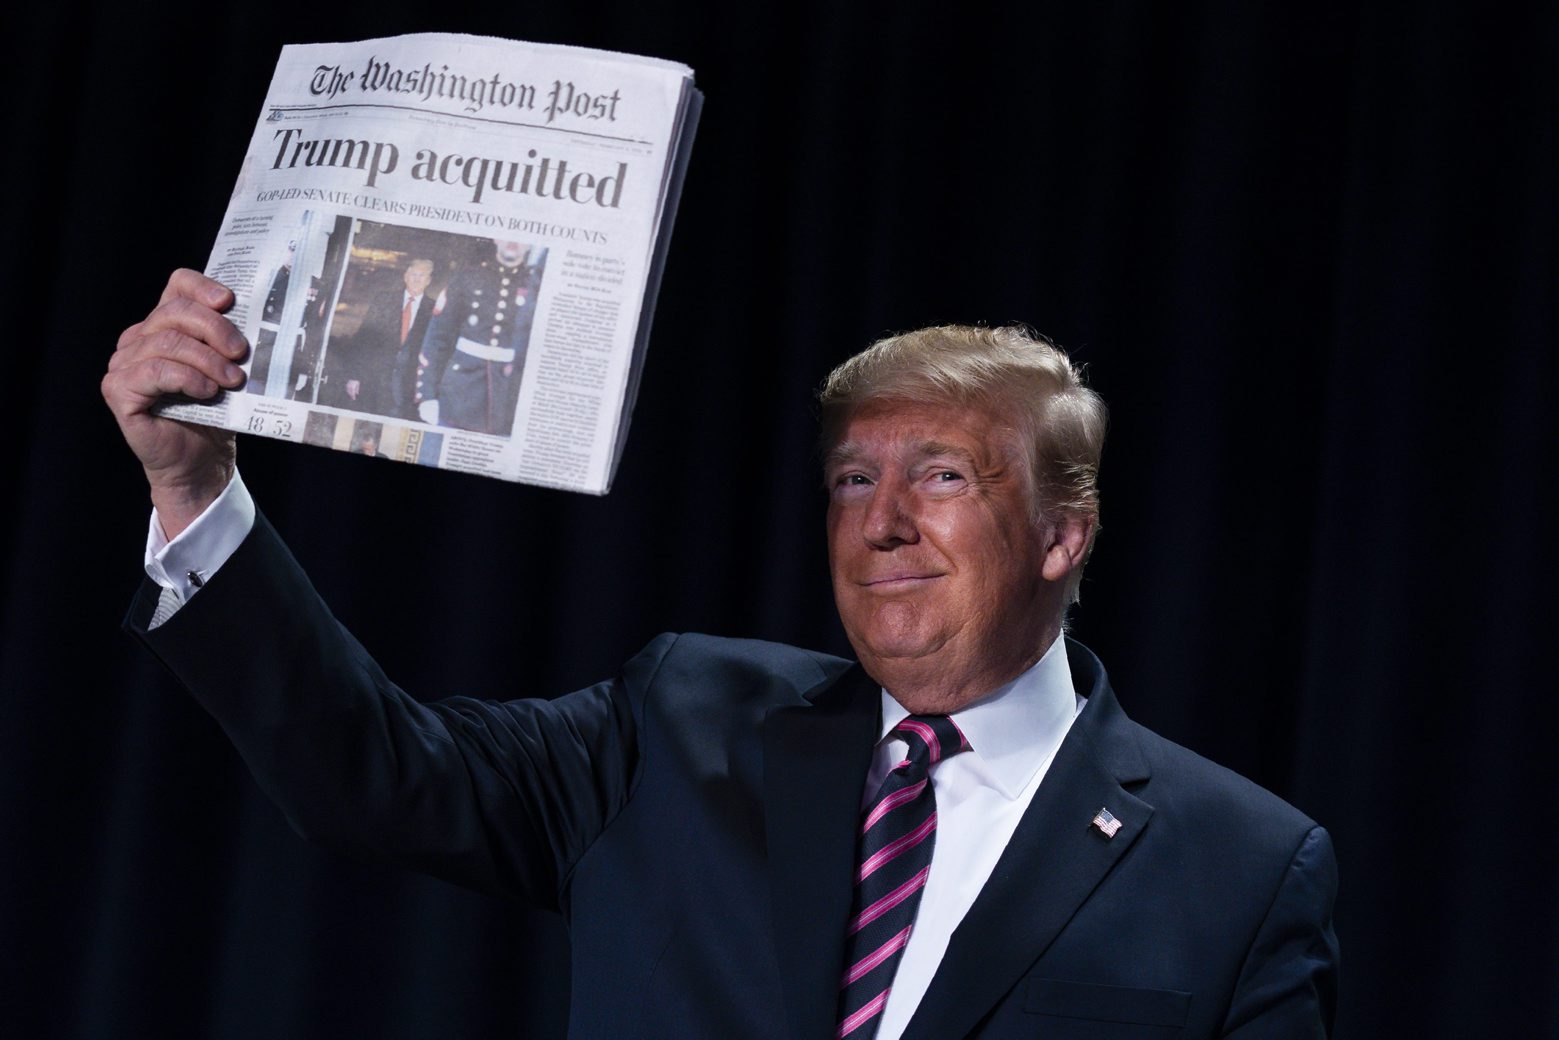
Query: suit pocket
[(1086, 1000)]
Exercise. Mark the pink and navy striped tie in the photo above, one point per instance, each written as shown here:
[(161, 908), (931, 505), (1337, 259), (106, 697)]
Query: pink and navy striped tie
[(896, 838)]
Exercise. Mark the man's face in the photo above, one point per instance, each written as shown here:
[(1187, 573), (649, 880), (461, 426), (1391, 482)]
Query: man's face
[(510, 253), (938, 562), (417, 278)]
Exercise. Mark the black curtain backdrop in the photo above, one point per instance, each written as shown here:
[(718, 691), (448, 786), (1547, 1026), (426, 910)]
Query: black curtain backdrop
[(1307, 253)]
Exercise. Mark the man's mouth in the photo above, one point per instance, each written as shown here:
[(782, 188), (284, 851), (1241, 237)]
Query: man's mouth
[(896, 580)]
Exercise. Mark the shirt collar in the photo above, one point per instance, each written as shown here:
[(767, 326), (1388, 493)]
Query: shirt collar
[(1015, 728)]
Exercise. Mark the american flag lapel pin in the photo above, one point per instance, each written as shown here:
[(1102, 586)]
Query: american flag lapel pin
[(1106, 823)]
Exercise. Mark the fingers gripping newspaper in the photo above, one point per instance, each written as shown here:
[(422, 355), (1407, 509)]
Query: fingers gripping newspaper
[(446, 249)]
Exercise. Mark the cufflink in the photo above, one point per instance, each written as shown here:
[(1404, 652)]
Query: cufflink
[(194, 578)]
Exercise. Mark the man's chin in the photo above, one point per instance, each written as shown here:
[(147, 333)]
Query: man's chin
[(903, 653)]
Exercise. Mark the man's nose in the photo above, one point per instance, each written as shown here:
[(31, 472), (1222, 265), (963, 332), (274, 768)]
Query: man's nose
[(889, 521)]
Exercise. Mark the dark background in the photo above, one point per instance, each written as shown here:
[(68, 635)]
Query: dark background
[(1307, 253)]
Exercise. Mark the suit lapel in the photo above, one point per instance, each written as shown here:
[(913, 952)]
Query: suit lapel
[(419, 324), (815, 758), (1055, 860)]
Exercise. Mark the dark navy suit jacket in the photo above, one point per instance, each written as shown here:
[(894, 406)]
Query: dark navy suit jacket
[(693, 819)]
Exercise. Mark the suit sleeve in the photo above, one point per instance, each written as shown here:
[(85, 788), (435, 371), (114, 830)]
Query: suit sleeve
[(502, 797), (403, 374), (438, 343), (1288, 986)]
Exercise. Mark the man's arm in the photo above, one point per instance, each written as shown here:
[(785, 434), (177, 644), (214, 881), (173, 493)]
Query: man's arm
[(185, 346), (502, 797), (1288, 987), (438, 343), (181, 566)]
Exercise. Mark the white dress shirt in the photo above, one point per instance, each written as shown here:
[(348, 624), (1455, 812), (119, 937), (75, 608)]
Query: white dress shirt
[(981, 794), (186, 563)]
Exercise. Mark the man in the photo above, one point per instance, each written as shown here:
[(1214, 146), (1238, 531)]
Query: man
[(962, 835), (476, 344), (374, 370), (305, 343)]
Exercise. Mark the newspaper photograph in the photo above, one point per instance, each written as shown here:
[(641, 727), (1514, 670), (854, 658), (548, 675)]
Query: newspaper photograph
[(446, 249)]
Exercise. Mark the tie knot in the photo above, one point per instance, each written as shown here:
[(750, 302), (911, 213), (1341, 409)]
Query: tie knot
[(931, 738)]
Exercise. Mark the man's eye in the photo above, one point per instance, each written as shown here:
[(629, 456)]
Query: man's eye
[(946, 475), (853, 480)]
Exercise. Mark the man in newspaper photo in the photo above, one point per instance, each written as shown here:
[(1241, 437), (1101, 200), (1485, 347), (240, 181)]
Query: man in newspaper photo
[(961, 835), (476, 343), (305, 340), (375, 369)]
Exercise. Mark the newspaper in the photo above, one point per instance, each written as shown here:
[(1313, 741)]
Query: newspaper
[(446, 250)]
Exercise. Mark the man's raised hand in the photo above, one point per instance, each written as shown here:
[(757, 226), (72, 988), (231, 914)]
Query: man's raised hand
[(185, 346)]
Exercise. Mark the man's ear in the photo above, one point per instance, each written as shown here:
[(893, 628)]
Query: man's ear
[(1066, 549)]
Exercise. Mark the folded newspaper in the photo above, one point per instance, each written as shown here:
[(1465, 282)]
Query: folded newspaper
[(446, 250)]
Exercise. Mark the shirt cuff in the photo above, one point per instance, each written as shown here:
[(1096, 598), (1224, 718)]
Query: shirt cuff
[(186, 563)]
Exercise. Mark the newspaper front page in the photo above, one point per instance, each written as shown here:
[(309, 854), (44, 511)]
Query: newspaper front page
[(445, 251)]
